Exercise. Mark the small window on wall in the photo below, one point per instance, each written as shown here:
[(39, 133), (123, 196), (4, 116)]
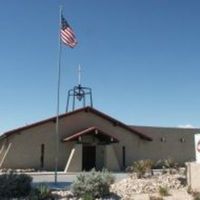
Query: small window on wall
[(42, 156), (163, 139), (182, 140)]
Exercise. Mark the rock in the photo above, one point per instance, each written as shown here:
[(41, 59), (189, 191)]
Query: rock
[(127, 187), (130, 187)]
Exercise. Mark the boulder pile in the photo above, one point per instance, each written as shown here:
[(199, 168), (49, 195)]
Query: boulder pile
[(131, 185), (128, 187)]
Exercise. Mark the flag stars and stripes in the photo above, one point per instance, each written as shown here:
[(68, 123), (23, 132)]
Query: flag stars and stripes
[(67, 35)]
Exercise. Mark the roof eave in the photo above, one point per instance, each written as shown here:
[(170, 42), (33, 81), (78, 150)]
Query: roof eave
[(86, 109)]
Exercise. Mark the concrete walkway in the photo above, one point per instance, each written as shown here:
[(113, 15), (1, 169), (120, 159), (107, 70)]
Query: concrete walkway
[(64, 177), (64, 180)]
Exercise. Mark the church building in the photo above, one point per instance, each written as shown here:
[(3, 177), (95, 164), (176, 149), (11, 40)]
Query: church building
[(89, 138)]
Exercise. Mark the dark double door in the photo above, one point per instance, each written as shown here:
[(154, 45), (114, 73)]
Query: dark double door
[(89, 158)]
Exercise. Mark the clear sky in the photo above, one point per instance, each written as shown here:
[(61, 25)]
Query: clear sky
[(140, 57)]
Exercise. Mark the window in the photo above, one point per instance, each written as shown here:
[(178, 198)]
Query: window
[(163, 139), (123, 157), (42, 156), (182, 140)]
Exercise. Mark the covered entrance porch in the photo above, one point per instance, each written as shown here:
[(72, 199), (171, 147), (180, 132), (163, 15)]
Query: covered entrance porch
[(92, 148)]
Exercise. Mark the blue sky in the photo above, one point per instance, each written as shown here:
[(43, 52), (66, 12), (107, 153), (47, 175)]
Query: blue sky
[(141, 58)]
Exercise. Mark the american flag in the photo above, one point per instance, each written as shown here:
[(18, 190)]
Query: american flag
[(67, 35)]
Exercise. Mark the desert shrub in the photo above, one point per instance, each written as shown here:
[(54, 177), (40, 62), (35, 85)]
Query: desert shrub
[(88, 197), (160, 164), (163, 191), (150, 165), (166, 163), (196, 195), (189, 189), (93, 184), (129, 169), (14, 185), (140, 167), (169, 163), (41, 192)]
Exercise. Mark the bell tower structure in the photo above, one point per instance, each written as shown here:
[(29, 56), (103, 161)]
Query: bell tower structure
[(79, 95)]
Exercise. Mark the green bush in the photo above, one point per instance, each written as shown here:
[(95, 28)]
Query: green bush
[(88, 197), (189, 189), (150, 165), (171, 164), (42, 192), (14, 185), (166, 163), (159, 164), (93, 184)]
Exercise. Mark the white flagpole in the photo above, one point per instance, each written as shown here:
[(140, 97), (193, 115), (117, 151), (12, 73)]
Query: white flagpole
[(58, 100)]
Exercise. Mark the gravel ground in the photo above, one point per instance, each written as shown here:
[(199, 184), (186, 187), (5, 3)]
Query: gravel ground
[(132, 188), (180, 194)]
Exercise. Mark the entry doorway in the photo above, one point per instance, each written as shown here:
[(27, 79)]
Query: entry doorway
[(89, 158)]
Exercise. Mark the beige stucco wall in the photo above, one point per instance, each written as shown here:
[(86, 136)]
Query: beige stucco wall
[(126, 138), (193, 175), (26, 148), (111, 163), (137, 148), (74, 162), (171, 148), (26, 145)]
